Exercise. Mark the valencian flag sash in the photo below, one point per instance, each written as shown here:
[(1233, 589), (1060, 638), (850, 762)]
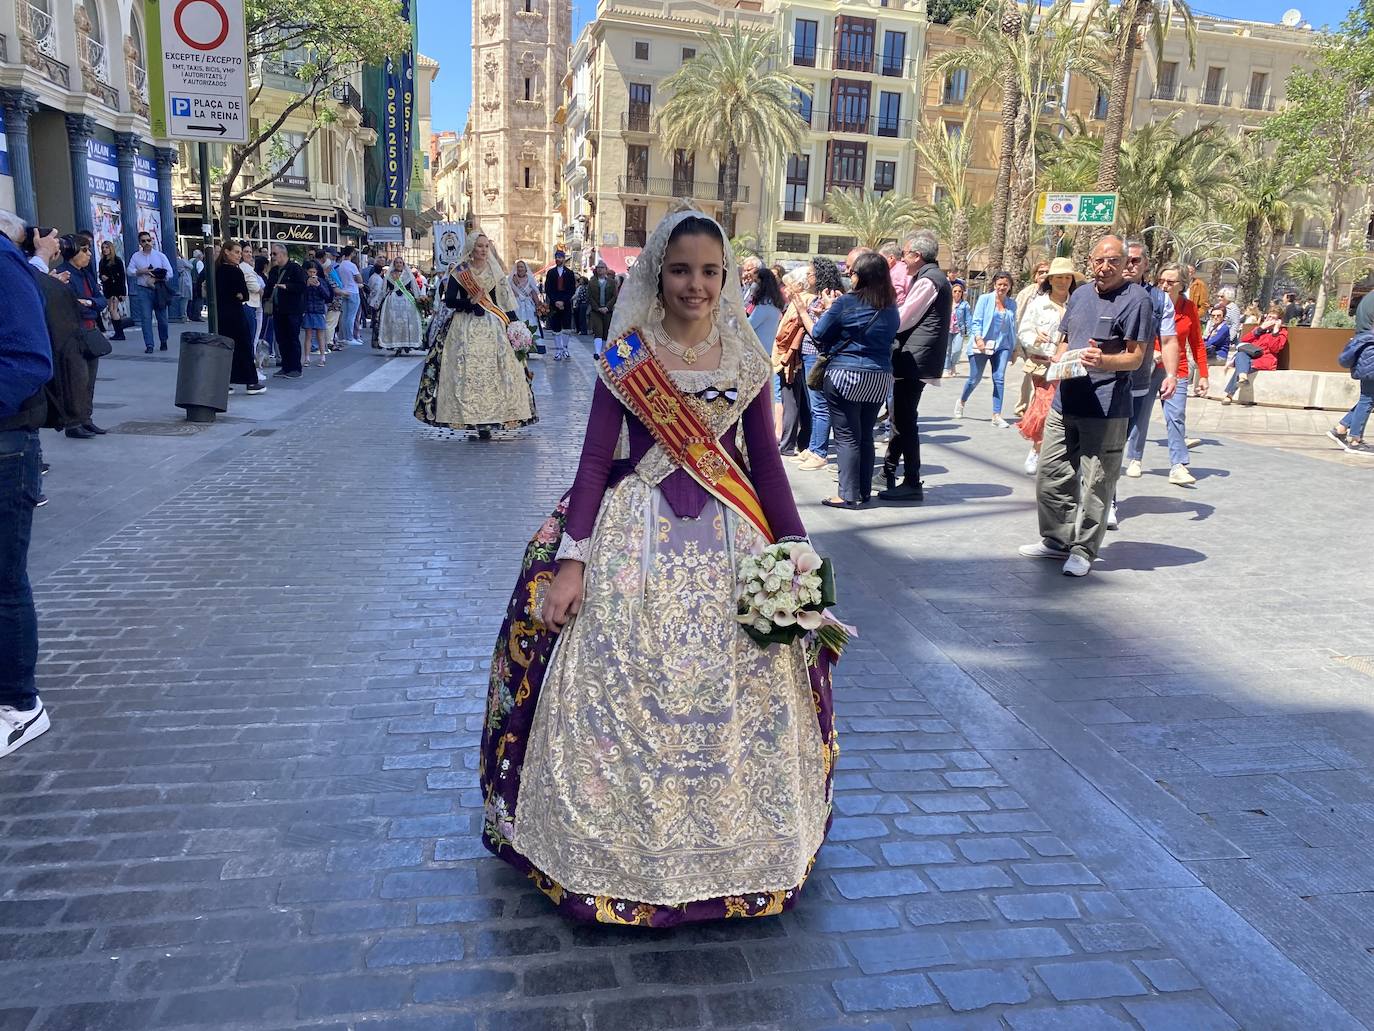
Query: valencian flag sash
[(468, 282), (641, 383)]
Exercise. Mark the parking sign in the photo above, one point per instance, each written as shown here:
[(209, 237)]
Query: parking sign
[(198, 75)]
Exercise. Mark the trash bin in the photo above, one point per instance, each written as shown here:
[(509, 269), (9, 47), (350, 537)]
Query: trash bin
[(203, 375)]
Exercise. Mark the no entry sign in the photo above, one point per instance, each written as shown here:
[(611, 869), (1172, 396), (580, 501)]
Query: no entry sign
[(198, 87)]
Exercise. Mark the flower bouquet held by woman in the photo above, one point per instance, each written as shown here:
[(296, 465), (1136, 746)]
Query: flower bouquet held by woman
[(644, 759), (473, 378)]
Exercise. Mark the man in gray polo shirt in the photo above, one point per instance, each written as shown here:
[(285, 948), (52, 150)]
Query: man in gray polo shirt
[(1112, 322)]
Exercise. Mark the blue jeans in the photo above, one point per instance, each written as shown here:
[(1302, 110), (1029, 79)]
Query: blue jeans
[(251, 315), (1175, 413), (1243, 363), (348, 321), (820, 413), (143, 297), (20, 476), (999, 360), (1355, 419), (956, 348)]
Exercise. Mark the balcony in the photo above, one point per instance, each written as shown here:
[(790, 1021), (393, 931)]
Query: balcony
[(873, 125), (38, 44), (636, 120), (653, 186), (276, 73), (1259, 101), (95, 71), (1169, 92), (852, 60), (347, 95), (1214, 97)]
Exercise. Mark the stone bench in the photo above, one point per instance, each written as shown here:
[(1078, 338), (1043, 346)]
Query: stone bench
[(1334, 391)]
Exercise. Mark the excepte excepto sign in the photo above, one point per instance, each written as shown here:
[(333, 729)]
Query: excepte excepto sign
[(198, 70), (1076, 209)]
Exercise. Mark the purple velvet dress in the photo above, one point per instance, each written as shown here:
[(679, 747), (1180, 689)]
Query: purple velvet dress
[(651, 765)]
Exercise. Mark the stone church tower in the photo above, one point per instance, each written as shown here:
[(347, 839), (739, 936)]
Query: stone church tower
[(519, 58)]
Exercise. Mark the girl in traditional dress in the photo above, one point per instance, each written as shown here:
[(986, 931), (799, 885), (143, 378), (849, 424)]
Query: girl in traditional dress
[(399, 327), (473, 379), (525, 290), (644, 761)]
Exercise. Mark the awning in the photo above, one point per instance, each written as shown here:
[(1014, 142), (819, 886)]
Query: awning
[(351, 222), (618, 259)]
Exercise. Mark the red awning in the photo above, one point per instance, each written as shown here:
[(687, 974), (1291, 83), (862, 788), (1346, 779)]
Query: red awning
[(618, 259)]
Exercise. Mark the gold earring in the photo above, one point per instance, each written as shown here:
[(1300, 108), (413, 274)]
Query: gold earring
[(656, 311)]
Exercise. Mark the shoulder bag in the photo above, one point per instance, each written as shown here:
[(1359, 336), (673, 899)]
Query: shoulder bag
[(815, 379)]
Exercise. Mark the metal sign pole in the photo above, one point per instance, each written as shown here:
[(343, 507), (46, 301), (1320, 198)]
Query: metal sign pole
[(207, 229)]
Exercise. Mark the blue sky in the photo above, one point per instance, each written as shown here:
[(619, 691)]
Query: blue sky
[(448, 39)]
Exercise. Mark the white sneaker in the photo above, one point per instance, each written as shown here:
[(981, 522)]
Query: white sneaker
[(1112, 521), (1077, 565), (1042, 549), (1032, 462), (1181, 477), (19, 728), (1192, 442), (1133, 469), (958, 409), (999, 422)]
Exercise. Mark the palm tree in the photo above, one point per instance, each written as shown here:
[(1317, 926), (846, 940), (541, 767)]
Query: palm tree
[(1049, 52), (946, 158), (1128, 23), (1266, 197), (872, 218), (1305, 270), (734, 97), (990, 58), (974, 221)]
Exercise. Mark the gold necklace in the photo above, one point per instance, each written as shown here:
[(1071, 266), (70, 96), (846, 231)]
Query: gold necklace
[(689, 355)]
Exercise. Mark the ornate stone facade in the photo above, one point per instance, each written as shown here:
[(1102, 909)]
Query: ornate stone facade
[(519, 58)]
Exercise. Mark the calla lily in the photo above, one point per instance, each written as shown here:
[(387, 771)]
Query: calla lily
[(784, 619), (809, 620), (807, 562)]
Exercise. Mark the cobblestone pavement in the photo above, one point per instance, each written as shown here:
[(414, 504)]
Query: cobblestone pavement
[(1139, 800)]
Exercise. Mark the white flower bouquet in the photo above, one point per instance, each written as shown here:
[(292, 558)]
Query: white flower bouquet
[(786, 593), (521, 341)]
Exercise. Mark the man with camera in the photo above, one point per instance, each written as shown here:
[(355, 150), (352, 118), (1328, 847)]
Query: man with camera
[(149, 270)]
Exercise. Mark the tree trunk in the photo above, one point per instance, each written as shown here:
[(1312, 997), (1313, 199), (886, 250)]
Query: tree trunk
[(1248, 285), (1133, 13), (731, 180), (1023, 192), (1011, 104), (1328, 288), (1271, 268), (1214, 280), (958, 244)]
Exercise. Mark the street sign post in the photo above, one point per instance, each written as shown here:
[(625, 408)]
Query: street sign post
[(198, 88), (1076, 209)]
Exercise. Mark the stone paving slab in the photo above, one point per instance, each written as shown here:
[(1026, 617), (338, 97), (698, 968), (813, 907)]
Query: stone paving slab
[(257, 807)]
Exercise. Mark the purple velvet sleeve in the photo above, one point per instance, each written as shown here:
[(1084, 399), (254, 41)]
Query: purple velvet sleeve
[(594, 469), (766, 470)]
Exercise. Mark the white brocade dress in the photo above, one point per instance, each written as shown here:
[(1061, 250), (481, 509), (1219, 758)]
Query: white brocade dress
[(671, 759)]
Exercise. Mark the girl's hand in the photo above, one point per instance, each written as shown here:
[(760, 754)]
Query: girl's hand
[(564, 599)]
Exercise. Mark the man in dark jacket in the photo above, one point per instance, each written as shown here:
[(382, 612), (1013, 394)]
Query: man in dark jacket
[(25, 366), (559, 286), (918, 355), (286, 290)]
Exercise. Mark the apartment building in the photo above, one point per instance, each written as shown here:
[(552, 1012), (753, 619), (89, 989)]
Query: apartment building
[(320, 198), (1237, 80), (862, 62), (618, 178)]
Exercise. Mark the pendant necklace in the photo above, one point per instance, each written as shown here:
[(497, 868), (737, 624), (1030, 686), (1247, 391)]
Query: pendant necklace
[(688, 355)]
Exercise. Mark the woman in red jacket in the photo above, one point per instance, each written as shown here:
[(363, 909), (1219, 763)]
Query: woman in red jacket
[(1258, 352)]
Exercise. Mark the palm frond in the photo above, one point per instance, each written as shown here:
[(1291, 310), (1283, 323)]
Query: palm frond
[(872, 218)]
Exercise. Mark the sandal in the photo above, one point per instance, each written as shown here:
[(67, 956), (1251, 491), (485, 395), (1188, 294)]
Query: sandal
[(841, 503)]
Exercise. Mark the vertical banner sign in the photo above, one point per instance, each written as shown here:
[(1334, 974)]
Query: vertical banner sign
[(398, 122), (448, 243), (198, 72), (146, 192), (102, 175)]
